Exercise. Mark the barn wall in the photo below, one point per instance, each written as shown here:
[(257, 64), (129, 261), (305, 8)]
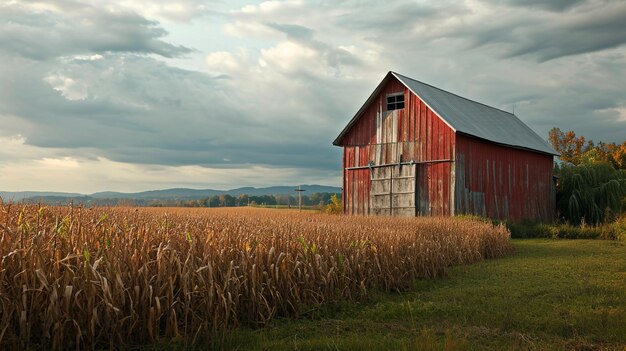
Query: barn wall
[(414, 133), (500, 182)]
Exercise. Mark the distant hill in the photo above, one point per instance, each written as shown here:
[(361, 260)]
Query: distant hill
[(166, 194), (21, 195)]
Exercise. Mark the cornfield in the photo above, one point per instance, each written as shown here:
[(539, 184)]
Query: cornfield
[(73, 277)]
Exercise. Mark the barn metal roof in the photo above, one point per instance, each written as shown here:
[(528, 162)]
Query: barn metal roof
[(468, 117)]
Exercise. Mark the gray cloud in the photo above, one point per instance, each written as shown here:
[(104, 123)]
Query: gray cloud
[(76, 29), (396, 17), (552, 5), (585, 32), (294, 31), (139, 110), (543, 30), (333, 56), (85, 83), (588, 27)]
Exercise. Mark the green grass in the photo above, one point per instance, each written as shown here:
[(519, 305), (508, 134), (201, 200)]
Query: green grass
[(615, 230), (550, 294)]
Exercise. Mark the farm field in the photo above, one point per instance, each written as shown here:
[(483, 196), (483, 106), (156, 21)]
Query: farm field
[(120, 277), (548, 295)]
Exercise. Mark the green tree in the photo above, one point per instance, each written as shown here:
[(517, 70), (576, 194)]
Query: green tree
[(593, 193), (283, 200), (335, 206), (213, 201), (227, 200)]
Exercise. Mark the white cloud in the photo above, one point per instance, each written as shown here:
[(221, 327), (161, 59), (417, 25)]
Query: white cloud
[(177, 11), (59, 163), (96, 57), (12, 146), (14, 150), (622, 114), (269, 7), (68, 87), (618, 111), (225, 62), (292, 57)]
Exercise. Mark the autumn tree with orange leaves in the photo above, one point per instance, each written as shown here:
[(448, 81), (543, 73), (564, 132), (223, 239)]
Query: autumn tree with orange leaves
[(577, 150)]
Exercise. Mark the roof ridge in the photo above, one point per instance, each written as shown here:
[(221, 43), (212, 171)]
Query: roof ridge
[(451, 93)]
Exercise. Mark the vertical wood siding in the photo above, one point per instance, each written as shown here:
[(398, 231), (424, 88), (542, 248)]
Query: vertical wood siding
[(414, 133), (501, 182)]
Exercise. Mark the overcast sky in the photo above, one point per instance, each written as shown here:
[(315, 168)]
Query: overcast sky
[(133, 95)]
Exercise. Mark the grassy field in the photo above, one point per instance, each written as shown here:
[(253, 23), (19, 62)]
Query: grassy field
[(549, 295)]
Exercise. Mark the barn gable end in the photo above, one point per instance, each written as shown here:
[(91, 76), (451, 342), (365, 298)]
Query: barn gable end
[(414, 137)]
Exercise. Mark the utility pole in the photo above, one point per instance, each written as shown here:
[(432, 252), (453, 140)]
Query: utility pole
[(299, 190)]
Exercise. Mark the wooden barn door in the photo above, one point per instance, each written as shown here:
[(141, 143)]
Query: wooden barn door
[(392, 190)]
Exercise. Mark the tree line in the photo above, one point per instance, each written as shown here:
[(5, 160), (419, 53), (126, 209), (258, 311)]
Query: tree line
[(225, 200)]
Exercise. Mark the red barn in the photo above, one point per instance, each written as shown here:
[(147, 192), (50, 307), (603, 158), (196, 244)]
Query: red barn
[(413, 149)]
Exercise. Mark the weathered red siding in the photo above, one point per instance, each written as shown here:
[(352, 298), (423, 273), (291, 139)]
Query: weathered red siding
[(421, 137), (502, 182)]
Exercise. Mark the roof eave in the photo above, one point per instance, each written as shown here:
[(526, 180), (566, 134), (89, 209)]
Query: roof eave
[(509, 145)]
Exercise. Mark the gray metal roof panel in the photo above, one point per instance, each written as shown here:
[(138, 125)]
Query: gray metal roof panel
[(477, 119)]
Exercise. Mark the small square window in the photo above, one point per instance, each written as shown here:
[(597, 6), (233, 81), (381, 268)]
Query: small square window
[(395, 101)]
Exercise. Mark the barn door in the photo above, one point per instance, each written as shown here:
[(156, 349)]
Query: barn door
[(392, 190)]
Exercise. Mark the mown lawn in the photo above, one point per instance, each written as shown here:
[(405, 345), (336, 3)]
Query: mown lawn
[(549, 295)]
